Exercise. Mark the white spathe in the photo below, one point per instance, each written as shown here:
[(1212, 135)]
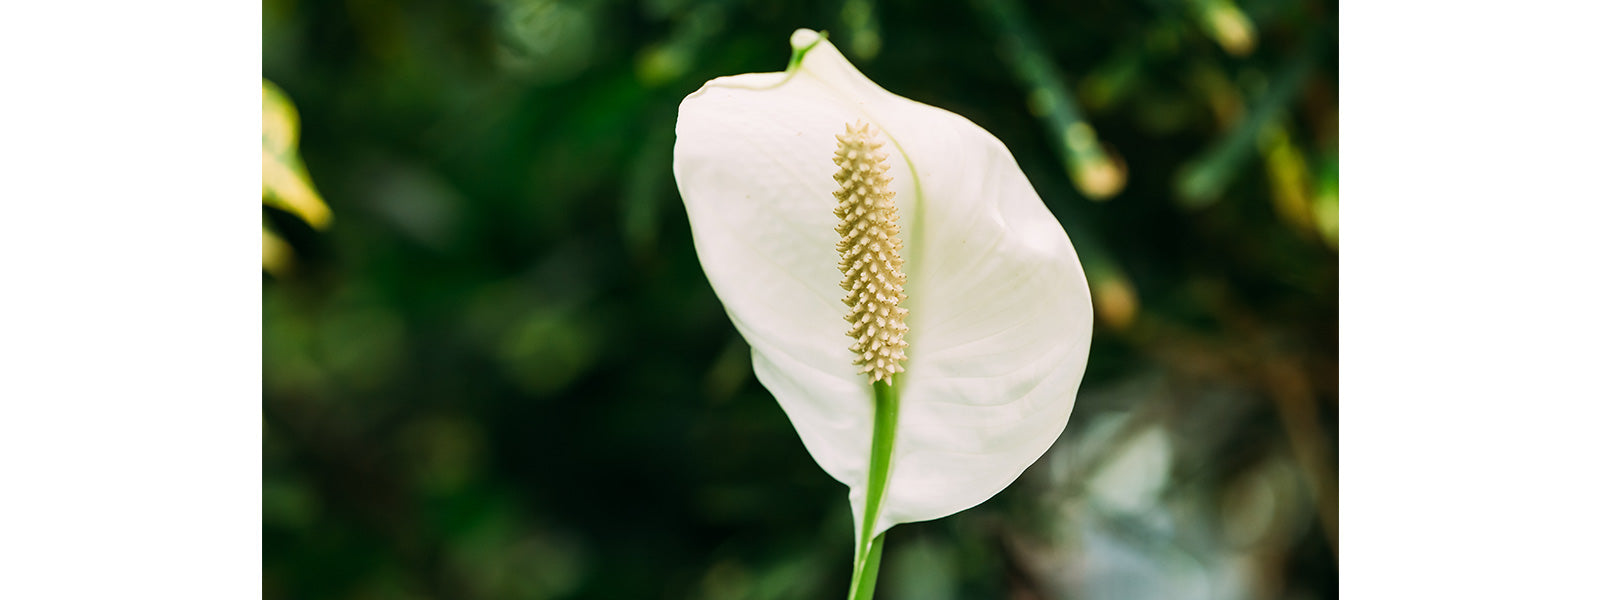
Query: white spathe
[(1000, 317)]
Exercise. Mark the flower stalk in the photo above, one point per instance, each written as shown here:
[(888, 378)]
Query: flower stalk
[(869, 550), (874, 284)]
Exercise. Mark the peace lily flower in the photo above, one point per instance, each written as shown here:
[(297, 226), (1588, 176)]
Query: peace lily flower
[(951, 359)]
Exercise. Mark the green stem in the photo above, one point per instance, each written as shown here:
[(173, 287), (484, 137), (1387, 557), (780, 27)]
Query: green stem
[(886, 414), (866, 574)]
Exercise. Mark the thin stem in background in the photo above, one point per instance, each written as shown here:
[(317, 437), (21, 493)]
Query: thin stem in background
[(1092, 169), (1201, 182)]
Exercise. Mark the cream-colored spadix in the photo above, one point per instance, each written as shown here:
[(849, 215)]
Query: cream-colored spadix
[(995, 311), (869, 253)]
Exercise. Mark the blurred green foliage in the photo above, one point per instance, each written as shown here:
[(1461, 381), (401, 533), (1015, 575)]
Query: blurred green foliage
[(284, 183), (501, 373)]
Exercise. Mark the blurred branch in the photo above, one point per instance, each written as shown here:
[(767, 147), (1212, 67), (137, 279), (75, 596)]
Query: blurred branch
[(1291, 392), (1224, 22), (1202, 181), (1252, 353), (1110, 82), (1290, 178), (1095, 171), (285, 184), (1327, 202)]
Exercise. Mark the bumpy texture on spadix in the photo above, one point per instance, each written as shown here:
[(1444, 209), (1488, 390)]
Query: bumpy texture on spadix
[(869, 252), (998, 317)]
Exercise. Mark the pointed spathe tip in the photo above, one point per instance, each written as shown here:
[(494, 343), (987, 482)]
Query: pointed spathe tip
[(802, 41), (804, 38)]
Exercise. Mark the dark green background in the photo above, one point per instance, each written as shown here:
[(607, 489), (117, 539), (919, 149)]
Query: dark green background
[(501, 373)]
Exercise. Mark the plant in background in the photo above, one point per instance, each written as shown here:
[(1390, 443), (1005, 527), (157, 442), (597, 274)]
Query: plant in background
[(953, 360), (284, 182)]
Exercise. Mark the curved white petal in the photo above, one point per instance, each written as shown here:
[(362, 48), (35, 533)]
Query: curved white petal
[(1000, 317)]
